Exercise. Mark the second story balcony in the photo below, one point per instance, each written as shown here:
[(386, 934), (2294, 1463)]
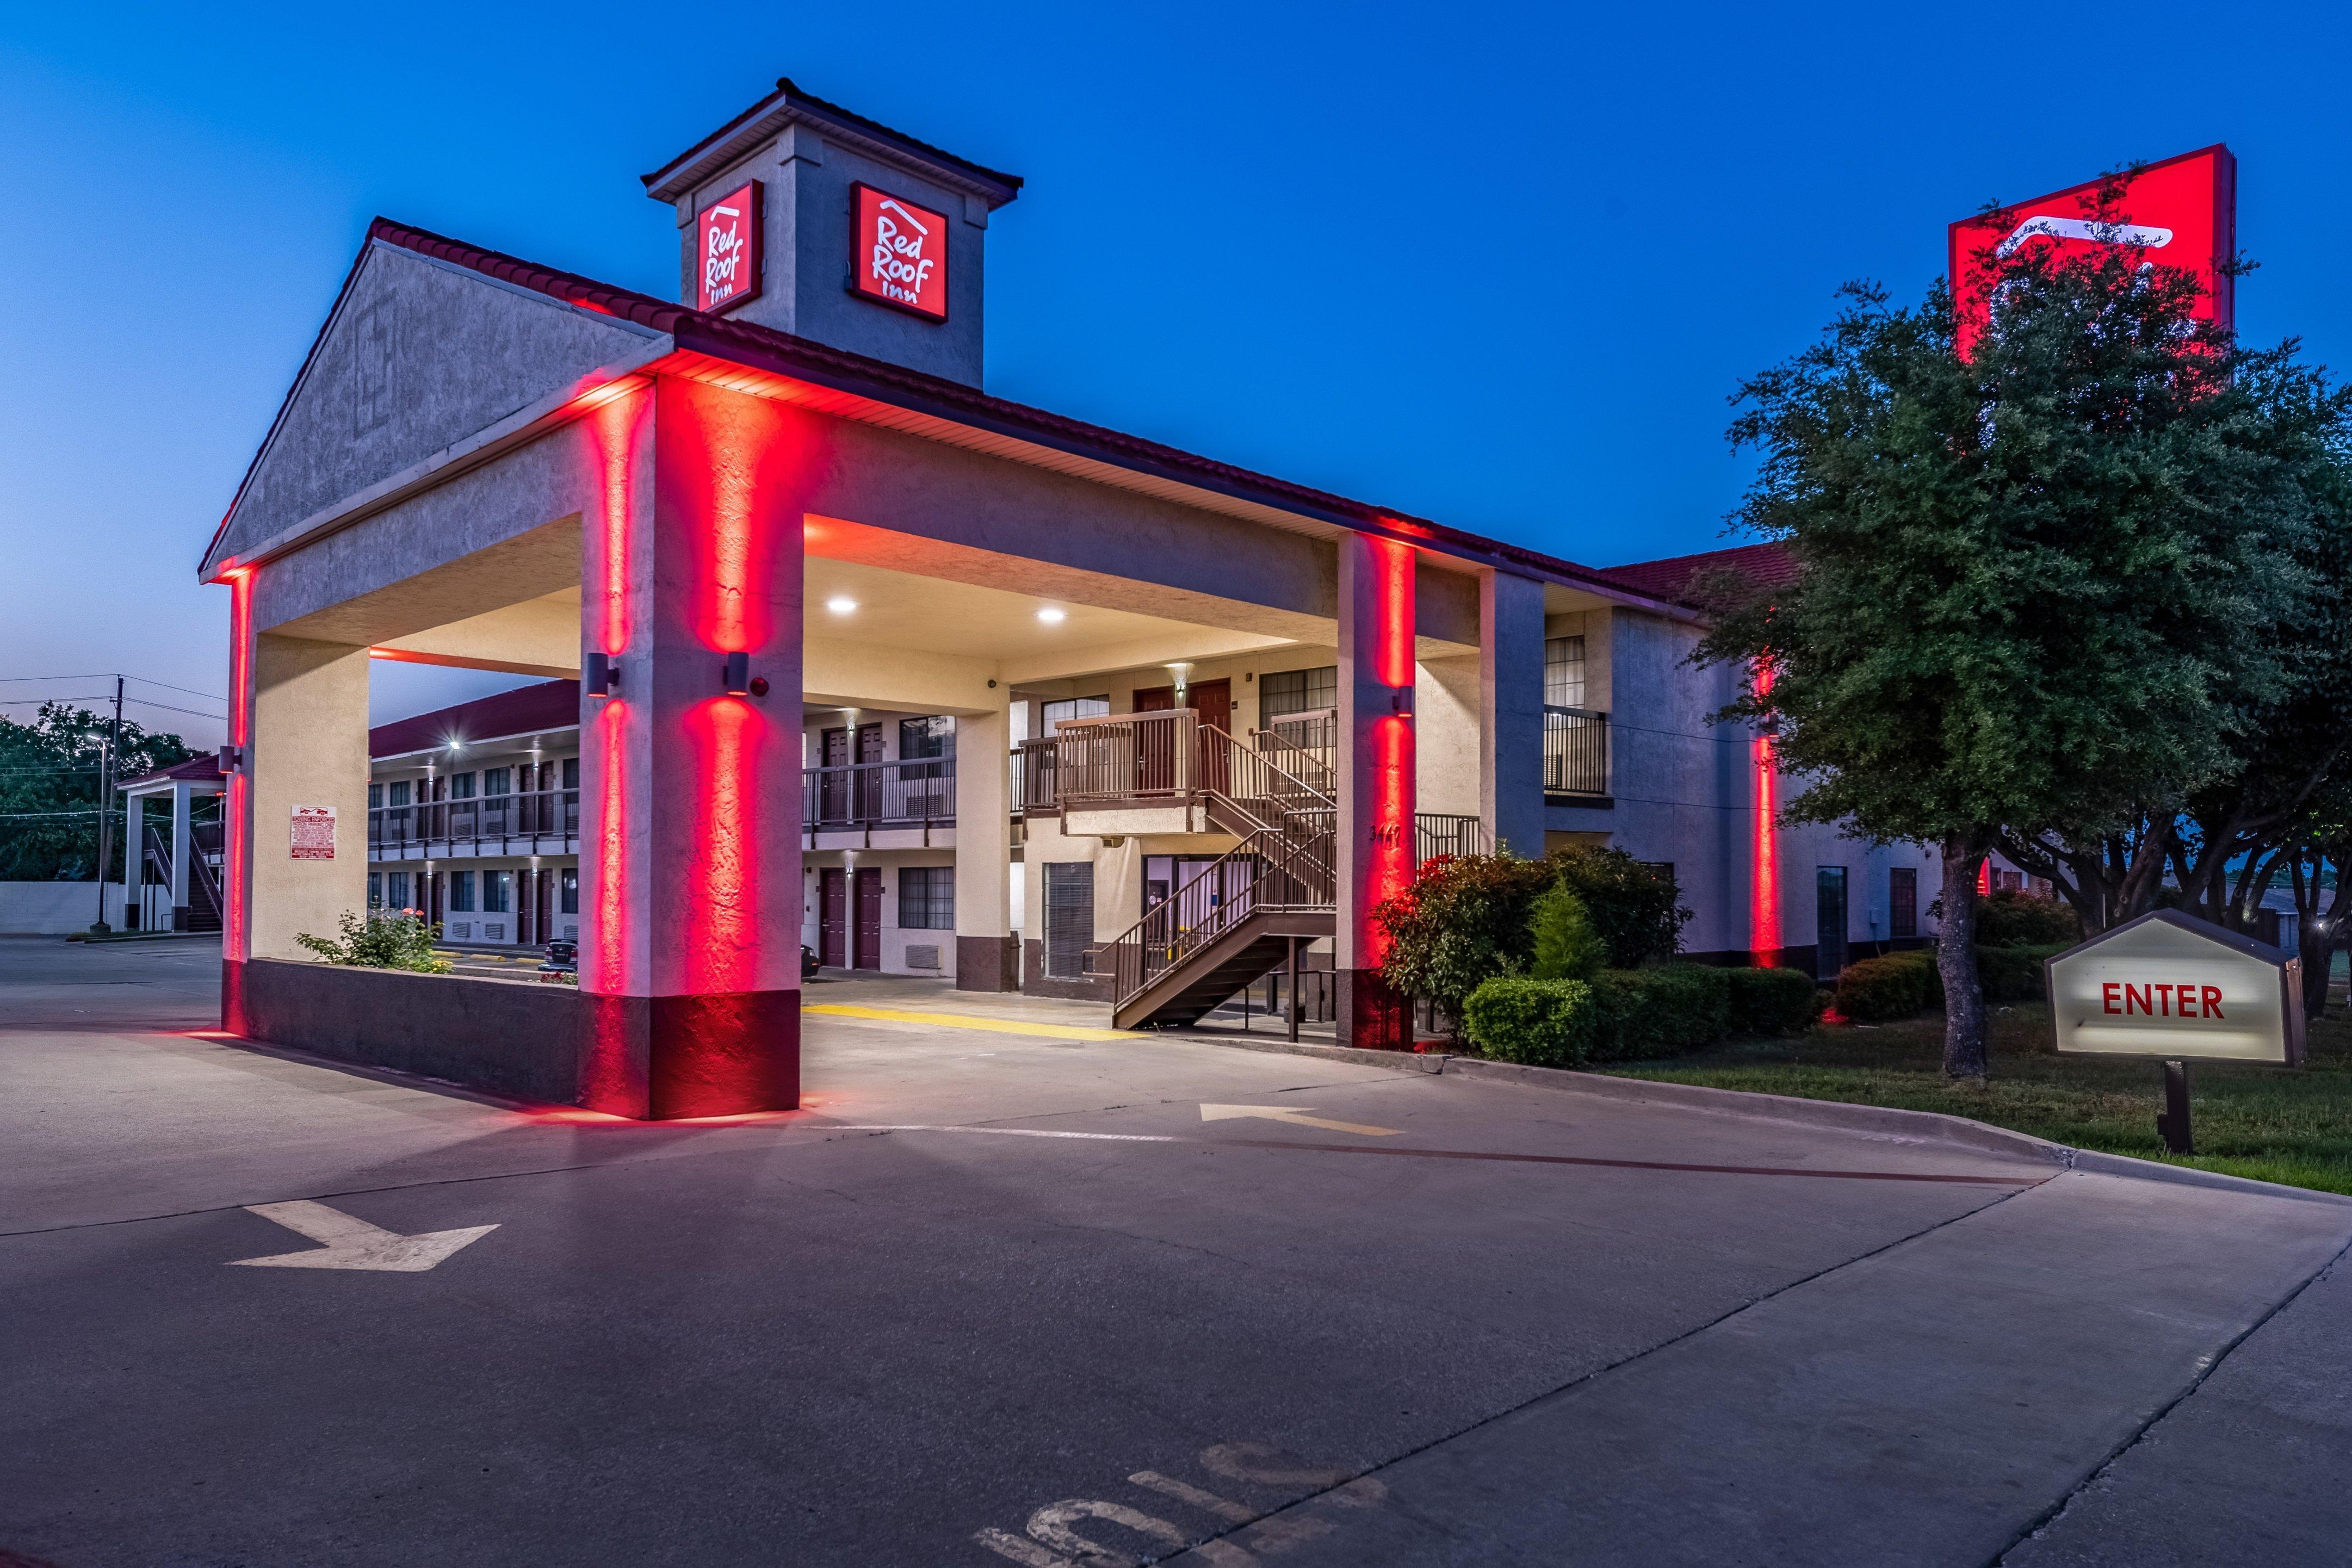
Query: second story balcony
[(527, 822), (912, 798)]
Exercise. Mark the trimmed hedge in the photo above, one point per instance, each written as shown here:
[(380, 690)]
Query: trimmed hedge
[(2014, 974), (1543, 1023), (1656, 1012), (1771, 1001), (1882, 990)]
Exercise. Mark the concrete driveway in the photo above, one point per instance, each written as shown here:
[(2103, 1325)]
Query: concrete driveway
[(1014, 1289)]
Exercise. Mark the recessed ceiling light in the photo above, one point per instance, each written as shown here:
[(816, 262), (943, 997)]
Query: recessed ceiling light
[(841, 604), (1050, 616)]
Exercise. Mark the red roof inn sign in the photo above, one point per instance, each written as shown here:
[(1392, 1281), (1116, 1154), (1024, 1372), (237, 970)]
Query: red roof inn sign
[(898, 253), (2181, 989)]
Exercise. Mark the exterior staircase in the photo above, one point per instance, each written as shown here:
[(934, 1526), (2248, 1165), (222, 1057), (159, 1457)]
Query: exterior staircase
[(1241, 916), (204, 880)]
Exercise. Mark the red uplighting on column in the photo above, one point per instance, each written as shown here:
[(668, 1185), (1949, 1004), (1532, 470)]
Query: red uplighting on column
[(1764, 850), (606, 969), (236, 826), (1984, 879), (612, 437), (724, 736), (1389, 867)]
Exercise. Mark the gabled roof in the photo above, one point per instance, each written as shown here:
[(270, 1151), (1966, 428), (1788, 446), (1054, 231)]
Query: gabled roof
[(787, 104), (526, 710), (1767, 565), (761, 348), (203, 769)]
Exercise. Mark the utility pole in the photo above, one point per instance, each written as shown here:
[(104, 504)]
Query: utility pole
[(105, 804)]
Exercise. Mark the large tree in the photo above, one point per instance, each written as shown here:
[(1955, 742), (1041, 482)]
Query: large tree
[(2040, 581), (49, 773)]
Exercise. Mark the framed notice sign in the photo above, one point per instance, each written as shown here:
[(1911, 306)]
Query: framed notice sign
[(314, 832), (2182, 989)]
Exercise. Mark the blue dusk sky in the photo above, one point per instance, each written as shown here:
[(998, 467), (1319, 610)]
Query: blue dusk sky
[(1499, 265)]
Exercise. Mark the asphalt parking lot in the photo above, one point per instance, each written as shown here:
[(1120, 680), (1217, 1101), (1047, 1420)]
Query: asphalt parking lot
[(1012, 1288)]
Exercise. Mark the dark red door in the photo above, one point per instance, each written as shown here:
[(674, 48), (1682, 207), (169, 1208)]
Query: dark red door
[(1155, 763), (832, 916), (833, 787), (1213, 701), (869, 779), (869, 917)]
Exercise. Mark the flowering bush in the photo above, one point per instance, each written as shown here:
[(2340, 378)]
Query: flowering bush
[(402, 941)]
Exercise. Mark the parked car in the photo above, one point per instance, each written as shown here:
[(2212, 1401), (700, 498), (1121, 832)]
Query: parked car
[(809, 961), (562, 958)]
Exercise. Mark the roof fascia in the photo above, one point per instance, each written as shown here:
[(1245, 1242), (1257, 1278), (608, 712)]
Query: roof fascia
[(786, 107)]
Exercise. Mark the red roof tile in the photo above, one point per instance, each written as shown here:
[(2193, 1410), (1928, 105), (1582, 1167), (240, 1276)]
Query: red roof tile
[(1768, 565), (203, 769), (526, 710)]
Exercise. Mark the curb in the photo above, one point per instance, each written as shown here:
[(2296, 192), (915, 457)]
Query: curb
[(1879, 1121)]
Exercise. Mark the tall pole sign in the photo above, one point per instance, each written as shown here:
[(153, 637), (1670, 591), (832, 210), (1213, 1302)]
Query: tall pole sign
[(2182, 212)]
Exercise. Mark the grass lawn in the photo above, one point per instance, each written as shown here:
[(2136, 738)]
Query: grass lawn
[(2275, 1123)]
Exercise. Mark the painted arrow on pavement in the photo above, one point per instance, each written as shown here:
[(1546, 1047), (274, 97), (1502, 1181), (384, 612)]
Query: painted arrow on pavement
[(1296, 1118), (348, 1243)]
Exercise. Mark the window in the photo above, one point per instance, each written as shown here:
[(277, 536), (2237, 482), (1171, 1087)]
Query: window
[(1828, 922), (400, 792), (1297, 691), (572, 773), (497, 781), (461, 891), (395, 891), (927, 898), (461, 786), (571, 893), (1903, 901), (1075, 707), (932, 736), (497, 891), (927, 793), (1069, 918), (375, 796), (375, 888), (1564, 672)]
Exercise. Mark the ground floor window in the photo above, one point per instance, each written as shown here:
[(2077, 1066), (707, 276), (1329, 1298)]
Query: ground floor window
[(461, 891), (927, 898), (1903, 901), (497, 891), (375, 885), (1069, 918), (1074, 707), (571, 893)]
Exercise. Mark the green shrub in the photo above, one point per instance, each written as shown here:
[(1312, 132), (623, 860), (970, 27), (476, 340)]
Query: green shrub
[(1882, 990), (2015, 974), (2013, 919), (1772, 1001), (1463, 922), (1566, 946), (402, 941), (1636, 909), (1656, 1012), (1544, 1023)]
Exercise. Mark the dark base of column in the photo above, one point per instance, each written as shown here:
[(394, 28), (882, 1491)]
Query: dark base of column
[(179, 913), (988, 963), (1372, 1016), (660, 1058), (233, 1013)]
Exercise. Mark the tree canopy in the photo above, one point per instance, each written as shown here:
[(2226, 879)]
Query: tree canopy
[(50, 772)]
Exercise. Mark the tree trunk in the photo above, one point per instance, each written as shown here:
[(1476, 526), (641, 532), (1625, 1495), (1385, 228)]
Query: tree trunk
[(1956, 960)]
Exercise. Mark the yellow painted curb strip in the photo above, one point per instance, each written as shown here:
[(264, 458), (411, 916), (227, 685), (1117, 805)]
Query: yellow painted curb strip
[(965, 1021)]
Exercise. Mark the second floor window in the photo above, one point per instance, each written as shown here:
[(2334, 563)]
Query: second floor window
[(1297, 691), (461, 786), (922, 738), (375, 796), (496, 780), (1564, 672), (400, 788)]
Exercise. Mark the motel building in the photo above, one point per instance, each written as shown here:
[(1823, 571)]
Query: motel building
[(837, 650)]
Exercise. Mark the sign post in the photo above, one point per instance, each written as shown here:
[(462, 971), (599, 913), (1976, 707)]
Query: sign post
[(2178, 989)]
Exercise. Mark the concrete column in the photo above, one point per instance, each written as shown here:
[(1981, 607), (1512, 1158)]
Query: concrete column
[(1376, 779), (308, 750), (690, 859), (1510, 711), (1447, 736), (986, 959), (134, 824), (181, 848)]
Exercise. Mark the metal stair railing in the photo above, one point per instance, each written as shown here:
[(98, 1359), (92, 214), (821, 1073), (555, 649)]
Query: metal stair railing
[(1267, 871)]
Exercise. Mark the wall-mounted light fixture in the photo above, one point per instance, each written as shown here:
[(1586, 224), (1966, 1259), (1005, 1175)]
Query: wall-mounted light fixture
[(841, 604), (232, 757), (600, 675), (1401, 701), (1052, 616), (739, 680)]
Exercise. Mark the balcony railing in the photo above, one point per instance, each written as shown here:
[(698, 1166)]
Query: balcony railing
[(912, 793), (1033, 777), (1127, 756), (527, 822), (1576, 751)]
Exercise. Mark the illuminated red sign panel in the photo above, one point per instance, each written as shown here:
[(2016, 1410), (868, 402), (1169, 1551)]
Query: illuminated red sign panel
[(2183, 212), (899, 253), (727, 248)]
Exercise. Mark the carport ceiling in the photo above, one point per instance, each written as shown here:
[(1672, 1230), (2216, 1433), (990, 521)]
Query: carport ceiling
[(934, 615)]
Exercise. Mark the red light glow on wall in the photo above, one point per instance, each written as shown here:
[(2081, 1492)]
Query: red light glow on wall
[(722, 941), (2181, 212), (1764, 848), (1390, 739), (604, 968), (237, 813), (1984, 879), (612, 430)]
